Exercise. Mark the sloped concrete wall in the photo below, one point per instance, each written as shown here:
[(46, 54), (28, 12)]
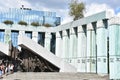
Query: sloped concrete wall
[(4, 48), (25, 42)]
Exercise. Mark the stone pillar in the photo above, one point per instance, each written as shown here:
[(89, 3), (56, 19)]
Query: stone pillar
[(7, 36), (114, 48), (47, 40), (21, 33), (59, 44), (82, 48), (66, 44), (35, 36), (73, 46), (102, 47), (91, 48)]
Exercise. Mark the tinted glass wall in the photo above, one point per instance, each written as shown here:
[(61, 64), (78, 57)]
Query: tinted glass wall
[(29, 16), (14, 38), (52, 43), (41, 38), (2, 33), (28, 34)]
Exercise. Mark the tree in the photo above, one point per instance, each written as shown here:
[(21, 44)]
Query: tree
[(7, 22), (76, 9), (22, 23)]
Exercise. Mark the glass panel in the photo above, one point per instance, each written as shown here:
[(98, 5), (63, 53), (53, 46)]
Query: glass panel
[(53, 41), (14, 38), (41, 38), (29, 34), (2, 33), (29, 16)]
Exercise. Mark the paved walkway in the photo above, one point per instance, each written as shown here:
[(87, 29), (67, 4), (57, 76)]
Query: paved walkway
[(54, 76)]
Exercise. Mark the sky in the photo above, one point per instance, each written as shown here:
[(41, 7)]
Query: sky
[(61, 7)]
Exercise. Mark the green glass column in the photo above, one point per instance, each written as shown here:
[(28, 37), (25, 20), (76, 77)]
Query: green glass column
[(73, 46), (114, 50), (82, 48), (66, 44), (59, 44), (21, 33), (102, 62), (47, 40), (35, 36), (91, 48), (7, 36)]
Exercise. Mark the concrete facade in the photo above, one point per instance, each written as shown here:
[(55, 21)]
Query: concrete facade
[(90, 44)]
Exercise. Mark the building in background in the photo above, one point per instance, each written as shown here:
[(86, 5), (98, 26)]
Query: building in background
[(28, 15)]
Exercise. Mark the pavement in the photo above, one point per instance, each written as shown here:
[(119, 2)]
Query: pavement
[(54, 76)]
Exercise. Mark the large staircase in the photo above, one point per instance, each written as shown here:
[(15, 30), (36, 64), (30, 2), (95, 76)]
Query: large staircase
[(55, 76)]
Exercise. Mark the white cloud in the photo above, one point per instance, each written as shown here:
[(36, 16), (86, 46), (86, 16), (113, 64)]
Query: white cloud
[(118, 14), (65, 18), (96, 8), (13, 4)]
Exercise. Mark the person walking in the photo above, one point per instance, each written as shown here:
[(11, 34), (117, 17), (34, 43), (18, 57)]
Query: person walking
[(1, 71), (11, 68)]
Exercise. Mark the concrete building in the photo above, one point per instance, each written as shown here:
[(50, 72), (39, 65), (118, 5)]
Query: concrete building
[(90, 44)]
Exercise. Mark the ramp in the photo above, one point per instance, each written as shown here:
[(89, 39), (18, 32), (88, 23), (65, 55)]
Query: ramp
[(25, 42), (4, 49)]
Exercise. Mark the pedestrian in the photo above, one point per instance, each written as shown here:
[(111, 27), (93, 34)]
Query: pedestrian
[(11, 68), (1, 71), (7, 70)]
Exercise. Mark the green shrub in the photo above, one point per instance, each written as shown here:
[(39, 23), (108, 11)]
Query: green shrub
[(35, 24), (22, 23), (47, 25), (8, 22)]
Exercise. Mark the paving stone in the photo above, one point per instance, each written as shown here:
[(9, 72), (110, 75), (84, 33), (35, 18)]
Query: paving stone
[(55, 76)]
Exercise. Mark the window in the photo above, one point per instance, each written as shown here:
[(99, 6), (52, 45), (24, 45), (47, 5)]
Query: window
[(28, 34), (41, 38), (2, 33), (14, 38), (53, 43)]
